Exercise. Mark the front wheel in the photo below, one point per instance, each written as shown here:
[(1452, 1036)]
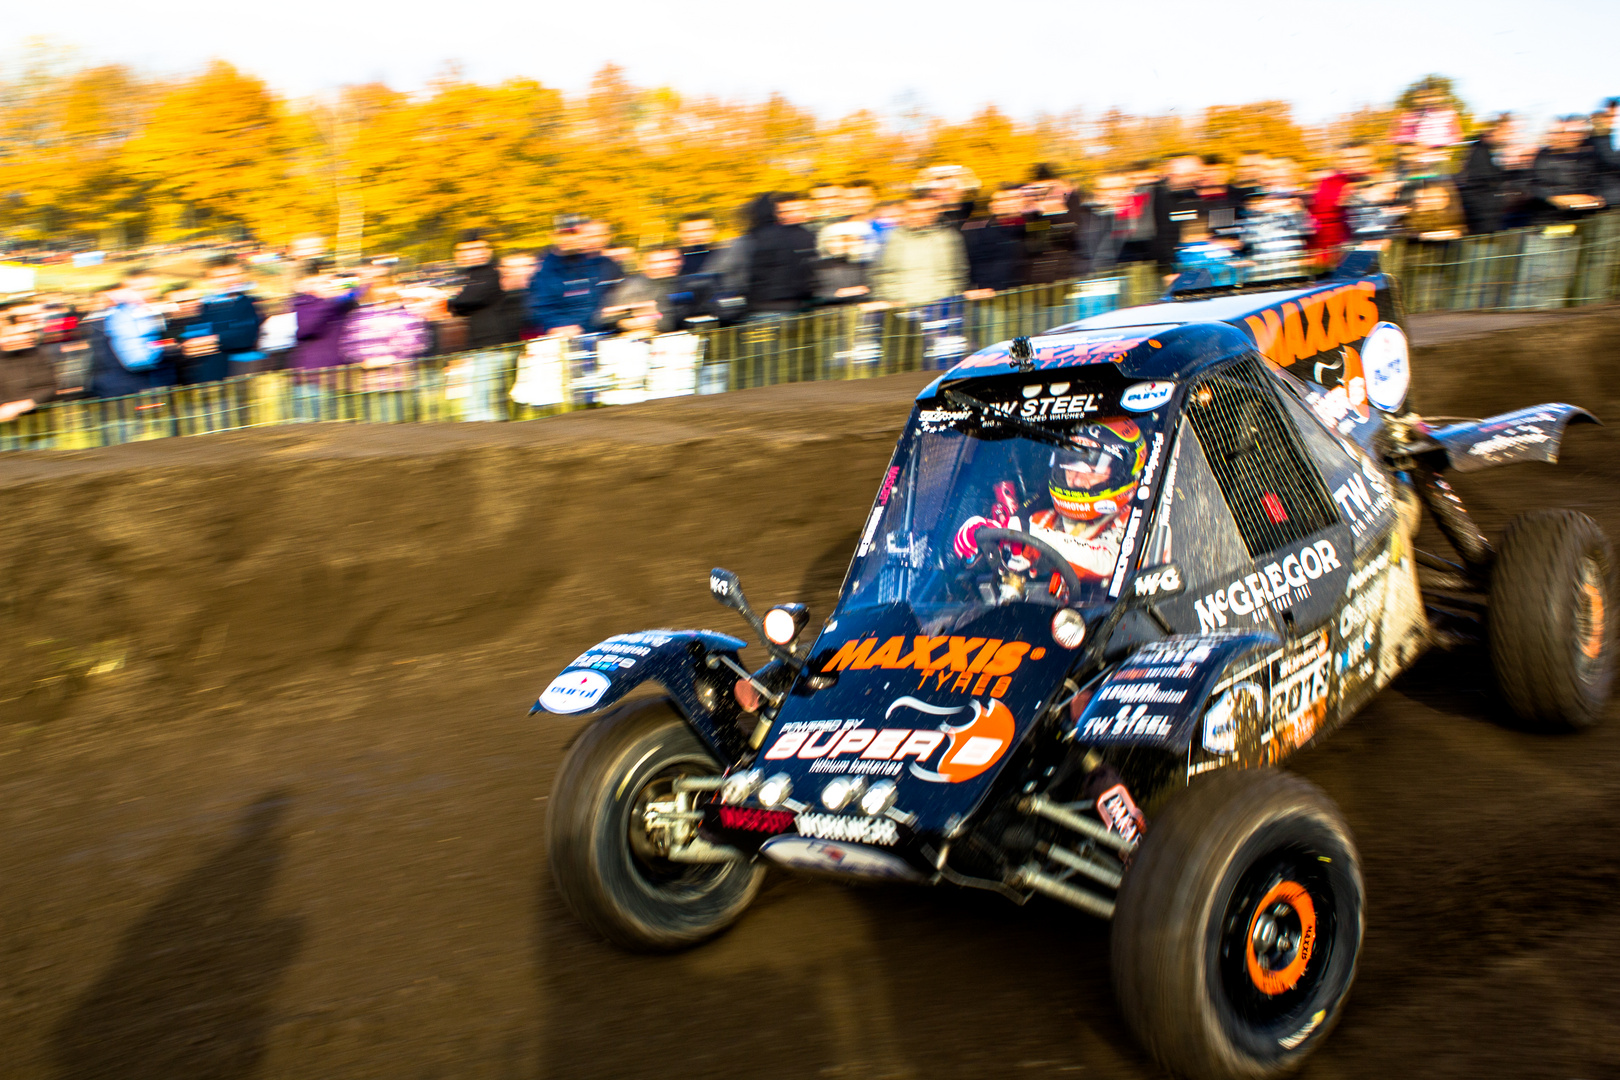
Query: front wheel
[(603, 861), (1552, 619), (1238, 925)]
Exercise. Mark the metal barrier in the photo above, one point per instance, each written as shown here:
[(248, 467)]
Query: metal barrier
[(551, 376), (1527, 269), (1537, 269)]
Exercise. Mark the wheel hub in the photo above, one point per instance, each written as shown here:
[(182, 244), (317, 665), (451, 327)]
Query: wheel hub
[(1282, 935)]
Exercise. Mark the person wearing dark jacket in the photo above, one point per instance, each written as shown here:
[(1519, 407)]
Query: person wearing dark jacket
[(840, 274), (995, 243), (566, 293), (515, 325), (1051, 231), (696, 235), (1606, 156), (1482, 181), (781, 267), (222, 338), (1564, 180), (480, 296), (27, 379), (1173, 201)]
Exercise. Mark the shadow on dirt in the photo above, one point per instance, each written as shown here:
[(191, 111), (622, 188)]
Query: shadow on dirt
[(189, 992), (1021, 988)]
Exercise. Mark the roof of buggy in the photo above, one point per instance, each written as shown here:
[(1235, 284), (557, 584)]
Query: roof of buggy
[(1167, 340)]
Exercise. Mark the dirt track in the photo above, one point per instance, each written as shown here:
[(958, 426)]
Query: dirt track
[(271, 806)]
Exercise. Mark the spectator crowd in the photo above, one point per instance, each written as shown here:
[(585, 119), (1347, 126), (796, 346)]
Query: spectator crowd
[(836, 244)]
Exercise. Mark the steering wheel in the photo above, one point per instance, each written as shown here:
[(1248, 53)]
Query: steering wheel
[(990, 541)]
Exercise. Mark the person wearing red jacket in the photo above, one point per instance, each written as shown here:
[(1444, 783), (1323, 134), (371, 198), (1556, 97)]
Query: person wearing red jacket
[(1355, 161)]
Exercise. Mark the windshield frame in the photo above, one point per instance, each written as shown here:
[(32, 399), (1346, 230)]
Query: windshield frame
[(938, 414)]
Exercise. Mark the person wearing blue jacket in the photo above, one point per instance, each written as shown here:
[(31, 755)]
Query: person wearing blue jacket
[(128, 352), (230, 317), (566, 292)]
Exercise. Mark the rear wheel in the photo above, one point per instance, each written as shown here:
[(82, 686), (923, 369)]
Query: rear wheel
[(1238, 925), (1552, 619), (605, 863)]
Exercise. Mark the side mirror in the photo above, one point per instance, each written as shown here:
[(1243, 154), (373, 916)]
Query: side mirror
[(726, 588)]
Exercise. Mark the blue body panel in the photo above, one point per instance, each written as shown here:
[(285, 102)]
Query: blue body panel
[(1529, 434), (1156, 696), (962, 720), (673, 658)]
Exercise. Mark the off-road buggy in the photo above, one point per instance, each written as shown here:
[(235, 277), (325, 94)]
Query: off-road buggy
[(1113, 575)]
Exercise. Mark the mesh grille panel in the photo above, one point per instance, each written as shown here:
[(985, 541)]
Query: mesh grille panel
[(1273, 491)]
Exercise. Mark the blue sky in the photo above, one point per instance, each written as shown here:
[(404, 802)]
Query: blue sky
[(837, 55)]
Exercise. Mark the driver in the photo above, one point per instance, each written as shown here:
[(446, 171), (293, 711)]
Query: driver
[(1090, 484)]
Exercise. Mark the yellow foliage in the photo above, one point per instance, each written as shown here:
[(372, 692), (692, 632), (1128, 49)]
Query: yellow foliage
[(104, 153)]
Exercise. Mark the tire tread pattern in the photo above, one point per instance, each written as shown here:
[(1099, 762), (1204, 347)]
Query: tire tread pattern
[(1531, 623), (1163, 910)]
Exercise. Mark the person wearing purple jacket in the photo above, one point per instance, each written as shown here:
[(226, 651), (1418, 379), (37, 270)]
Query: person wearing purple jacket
[(321, 306), (384, 338)]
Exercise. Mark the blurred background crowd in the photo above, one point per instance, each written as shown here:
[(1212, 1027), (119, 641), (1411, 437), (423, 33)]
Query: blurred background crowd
[(216, 268)]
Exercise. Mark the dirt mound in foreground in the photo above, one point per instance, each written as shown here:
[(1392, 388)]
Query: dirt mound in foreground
[(271, 806)]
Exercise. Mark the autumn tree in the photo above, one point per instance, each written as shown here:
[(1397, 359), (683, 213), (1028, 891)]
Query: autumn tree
[(217, 158)]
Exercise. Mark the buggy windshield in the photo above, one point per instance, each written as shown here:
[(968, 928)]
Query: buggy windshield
[(1054, 470)]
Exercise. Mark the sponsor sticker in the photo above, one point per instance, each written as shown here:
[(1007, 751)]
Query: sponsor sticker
[(1063, 407), (831, 856), (1386, 366), (1299, 689), (1363, 499), (1118, 811), (574, 691), (1146, 396), (946, 754), (1127, 723), (947, 663), (1127, 547), (1279, 584), (1160, 581), (859, 830), (1223, 718)]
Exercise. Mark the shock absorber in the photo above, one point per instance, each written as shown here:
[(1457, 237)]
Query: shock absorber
[(1454, 521)]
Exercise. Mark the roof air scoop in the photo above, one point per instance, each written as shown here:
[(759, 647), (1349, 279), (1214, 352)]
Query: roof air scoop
[(1022, 354)]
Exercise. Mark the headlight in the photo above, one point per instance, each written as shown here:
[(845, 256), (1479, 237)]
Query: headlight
[(784, 621), (1069, 628), (739, 786), (774, 792), (879, 797), (841, 792)]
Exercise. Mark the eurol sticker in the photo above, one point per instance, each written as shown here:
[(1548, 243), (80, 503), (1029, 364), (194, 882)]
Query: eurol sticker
[(574, 691), (1146, 396)]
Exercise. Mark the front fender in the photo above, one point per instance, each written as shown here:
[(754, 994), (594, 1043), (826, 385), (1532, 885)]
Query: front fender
[(1530, 434), (1155, 697), (675, 659)]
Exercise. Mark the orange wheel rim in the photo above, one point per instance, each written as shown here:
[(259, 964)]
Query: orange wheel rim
[(1286, 898), (1592, 640)]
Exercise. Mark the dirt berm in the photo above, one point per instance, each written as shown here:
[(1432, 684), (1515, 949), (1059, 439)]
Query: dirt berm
[(271, 806)]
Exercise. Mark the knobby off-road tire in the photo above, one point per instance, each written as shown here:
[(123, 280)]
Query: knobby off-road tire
[(600, 859), (1238, 925), (1552, 619)]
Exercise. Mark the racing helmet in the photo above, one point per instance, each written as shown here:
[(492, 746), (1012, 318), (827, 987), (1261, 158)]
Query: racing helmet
[(1096, 474)]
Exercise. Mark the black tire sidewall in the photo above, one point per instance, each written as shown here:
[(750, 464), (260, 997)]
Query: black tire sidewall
[(1535, 585), (1170, 909), (590, 818), (1262, 1045)]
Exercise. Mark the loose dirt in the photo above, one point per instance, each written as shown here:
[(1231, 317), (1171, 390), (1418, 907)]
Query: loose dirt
[(271, 805)]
